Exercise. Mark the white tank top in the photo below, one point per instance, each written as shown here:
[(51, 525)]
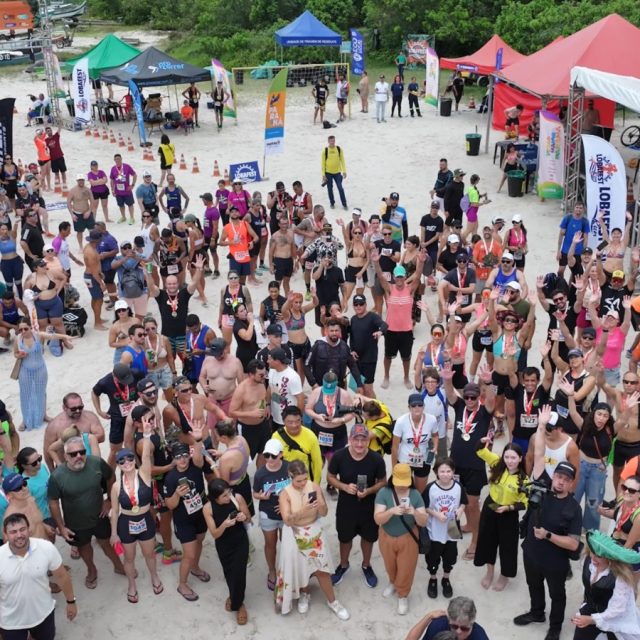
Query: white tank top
[(552, 457), (148, 242)]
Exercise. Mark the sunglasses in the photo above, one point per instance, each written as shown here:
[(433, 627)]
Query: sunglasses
[(122, 310), (386, 234), (506, 261), (437, 334), (141, 335), (416, 404), (359, 304), (75, 454), (269, 456), (181, 456), (146, 216), (629, 381), (35, 463), (357, 233), (126, 459), (152, 392), (591, 338), (50, 251), (184, 390), (558, 300), (509, 321), (629, 490), (462, 261), (76, 409), (24, 330), (231, 278), (459, 627), (469, 397)]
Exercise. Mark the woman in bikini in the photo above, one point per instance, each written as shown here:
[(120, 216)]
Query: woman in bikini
[(119, 331), (613, 253), (355, 273), (46, 285), (509, 163), (515, 241), (293, 315), (158, 348), (482, 342), (232, 295)]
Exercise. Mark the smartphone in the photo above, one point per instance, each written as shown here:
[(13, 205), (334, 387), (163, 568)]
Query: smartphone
[(183, 482), (233, 514), (361, 483), (602, 245), (313, 496), (405, 502)]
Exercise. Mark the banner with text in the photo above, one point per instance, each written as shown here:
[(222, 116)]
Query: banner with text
[(433, 77), (245, 171), (6, 127), (551, 157), (81, 91), (222, 75), (137, 105), (274, 117), (357, 52), (415, 46), (606, 186)]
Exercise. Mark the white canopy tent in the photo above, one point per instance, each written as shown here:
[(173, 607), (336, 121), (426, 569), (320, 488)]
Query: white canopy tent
[(622, 89)]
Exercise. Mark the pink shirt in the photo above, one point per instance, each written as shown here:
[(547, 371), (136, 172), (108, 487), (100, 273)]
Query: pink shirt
[(399, 306), (615, 344)]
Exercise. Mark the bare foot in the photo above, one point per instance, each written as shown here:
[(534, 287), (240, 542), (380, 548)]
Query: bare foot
[(385, 383), (486, 581), (501, 583), (408, 384), (100, 327)]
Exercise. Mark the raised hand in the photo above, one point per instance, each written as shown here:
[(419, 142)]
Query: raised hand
[(544, 414), (485, 374), (565, 386), (578, 282), (545, 349), (626, 302), (539, 282)]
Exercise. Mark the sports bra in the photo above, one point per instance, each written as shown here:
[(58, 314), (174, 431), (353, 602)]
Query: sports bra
[(36, 289), (294, 324), (238, 474), (351, 255), (143, 491), (8, 246), (498, 347), (433, 357)]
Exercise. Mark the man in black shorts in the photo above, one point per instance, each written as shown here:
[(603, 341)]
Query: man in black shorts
[(58, 165), (282, 249), (219, 97), (320, 92), (79, 489), (358, 473)]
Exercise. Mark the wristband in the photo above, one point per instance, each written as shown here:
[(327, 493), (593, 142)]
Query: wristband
[(72, 601)]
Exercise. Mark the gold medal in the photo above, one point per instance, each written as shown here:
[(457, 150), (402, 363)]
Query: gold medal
[(135, 509)]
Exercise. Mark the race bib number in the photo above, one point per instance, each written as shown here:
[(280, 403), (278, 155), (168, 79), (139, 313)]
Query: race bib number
[(136, 528), (562, 411), (325, 439), (464, 300), (125, 408), (193, 504), (517, 254), (387, 252), (387, 276), (120, 186), (241, 256), (528, 422), (416, 459), (173, 269), (486, 341)]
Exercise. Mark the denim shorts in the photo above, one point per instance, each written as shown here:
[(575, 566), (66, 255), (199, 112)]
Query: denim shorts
[(267, 524), (162, 377)]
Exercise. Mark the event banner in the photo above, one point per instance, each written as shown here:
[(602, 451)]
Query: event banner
[(57, 74), (220, 73), (245, 171), (6, 127), (274, 117), (551, 157), (81, 91), (433, 77), (137, 105), (606, 186), (416, 46), (357, 52)]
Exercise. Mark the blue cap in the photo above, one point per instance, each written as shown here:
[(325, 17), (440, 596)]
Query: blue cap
[(13, 482), (123, 453)]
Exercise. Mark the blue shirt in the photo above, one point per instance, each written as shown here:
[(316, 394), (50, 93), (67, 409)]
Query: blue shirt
[(442, 624), (38, 487), (108, 243), (396, 89), (571, 225), (147, 193)]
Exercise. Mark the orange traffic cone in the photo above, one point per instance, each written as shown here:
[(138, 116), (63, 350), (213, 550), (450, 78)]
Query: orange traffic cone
[(195, 168), (183, 162), (112, 137), (96, 133), (121, 142), (65, 191), (227, 180), (105, 134), (130, 146), (216, 169), (87, 131)]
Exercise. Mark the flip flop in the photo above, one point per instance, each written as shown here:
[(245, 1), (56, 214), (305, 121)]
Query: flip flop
[(469, 555), (271, 583), (191, 597), (158, 588), (203, 576), (74, 553), (91, 583), (132, 598)]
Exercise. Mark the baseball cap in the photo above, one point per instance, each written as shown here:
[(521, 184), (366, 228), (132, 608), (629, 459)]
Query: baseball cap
[(516, 218), (471, 389), (274, 330), (415, 399), (497, 219), (589, 331), (458, 172), (217, 347), (566, 468), (453, 238), (359, 431), (120, 304), (146, 174), (272, 446), (399, 271), (123, 453), (207, 196), (327, 225), (94, 163), (356, 211), (435, 204), (507, 255), (613, 313), (618, 274), (123, 373), (145, 384), (94, 236), (358, 299), (553, 419), (464, 257), (514, 285), (179, 448), (190, 218), (402, 475), (394, 195), (48, 247), (80, 176), (279, 354), (125, 244), (575, 353), (13, 482)]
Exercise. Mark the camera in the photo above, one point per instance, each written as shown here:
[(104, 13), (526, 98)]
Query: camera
[(535, 493), (355, 409)]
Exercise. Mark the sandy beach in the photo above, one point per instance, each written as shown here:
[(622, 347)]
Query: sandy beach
[(401, 155)]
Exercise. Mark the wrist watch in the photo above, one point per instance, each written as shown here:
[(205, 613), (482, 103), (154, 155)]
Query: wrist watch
[(548, 535)]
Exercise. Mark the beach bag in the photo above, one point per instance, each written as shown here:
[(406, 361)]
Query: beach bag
[(74, 319), (465, 203), (131, 283), (15, 372)]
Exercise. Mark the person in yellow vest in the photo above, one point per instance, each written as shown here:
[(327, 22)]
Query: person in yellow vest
[(167, 153), (377, 418), (334, 169)]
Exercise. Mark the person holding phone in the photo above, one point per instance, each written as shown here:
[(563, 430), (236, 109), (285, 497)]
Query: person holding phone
[(225, 515), (303, 551)]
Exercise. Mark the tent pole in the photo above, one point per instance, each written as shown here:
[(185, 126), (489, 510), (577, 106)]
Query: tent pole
[(175, 88), (489, 114)]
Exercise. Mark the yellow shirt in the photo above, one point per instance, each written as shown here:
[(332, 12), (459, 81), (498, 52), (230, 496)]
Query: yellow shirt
[(332, 160), (381, 428), (507, 490), (308, 442)]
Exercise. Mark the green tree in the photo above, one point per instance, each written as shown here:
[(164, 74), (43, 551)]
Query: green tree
[(337, 14)]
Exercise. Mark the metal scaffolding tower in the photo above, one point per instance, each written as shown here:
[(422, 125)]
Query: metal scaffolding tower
[(48, 59), (573, 187)]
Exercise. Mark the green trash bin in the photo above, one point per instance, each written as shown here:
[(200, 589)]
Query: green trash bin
[(473, 143), (515, 183)]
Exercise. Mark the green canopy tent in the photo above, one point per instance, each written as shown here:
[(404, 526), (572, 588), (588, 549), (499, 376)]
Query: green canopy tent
[(108, 53)]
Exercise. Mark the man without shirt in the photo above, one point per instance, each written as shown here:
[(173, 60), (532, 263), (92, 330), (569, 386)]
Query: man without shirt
[(282, 250), (79, 204), (93, 277)]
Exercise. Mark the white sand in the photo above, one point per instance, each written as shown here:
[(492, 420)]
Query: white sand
[(401, 155)]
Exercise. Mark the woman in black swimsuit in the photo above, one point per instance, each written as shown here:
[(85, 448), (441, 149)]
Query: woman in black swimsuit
[(131, 518), (192, 94), (9, 176)]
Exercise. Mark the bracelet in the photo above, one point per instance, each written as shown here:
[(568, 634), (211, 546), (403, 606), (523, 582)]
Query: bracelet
[(72, 601)]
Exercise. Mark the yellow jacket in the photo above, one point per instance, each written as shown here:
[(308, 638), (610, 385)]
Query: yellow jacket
[(507, 490), (308, 451), (332, 160)]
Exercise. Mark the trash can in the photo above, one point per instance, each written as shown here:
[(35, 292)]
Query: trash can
[(473, 143), (71, 107), (445, 106), (238, 75), (515, 183)]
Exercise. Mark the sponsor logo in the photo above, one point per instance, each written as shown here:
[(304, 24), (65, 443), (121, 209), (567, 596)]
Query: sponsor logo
[(246, 173), (131, 69)]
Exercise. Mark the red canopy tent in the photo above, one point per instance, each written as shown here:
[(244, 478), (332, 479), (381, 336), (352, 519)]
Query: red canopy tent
[(605, 45), (483, 61)]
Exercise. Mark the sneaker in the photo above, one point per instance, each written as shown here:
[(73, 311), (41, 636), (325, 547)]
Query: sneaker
[(307, 296), (340, 572), (528, 618), (370, 578), (389, 590), (303, 602), (216, 274), (339, 610), (403, 606), (552, 634), (332, 206), (447, 591), (432, 588)]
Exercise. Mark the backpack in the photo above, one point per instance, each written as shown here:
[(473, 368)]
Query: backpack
[(465, 203), (131, 283), (326, 152)]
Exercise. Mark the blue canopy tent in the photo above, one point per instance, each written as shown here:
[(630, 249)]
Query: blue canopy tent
[(307, 31)]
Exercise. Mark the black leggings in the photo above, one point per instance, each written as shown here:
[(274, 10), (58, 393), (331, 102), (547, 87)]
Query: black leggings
[(414, 104), (397, 101), (233, 558), (498, 531)]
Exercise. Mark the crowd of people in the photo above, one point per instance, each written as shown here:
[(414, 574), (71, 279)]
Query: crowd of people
[(216, 422)]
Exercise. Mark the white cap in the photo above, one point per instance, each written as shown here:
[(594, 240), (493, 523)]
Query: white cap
[(516, 217), (553, 418), (146, 174), (356, 211), (453, 238), (507, 255), (120, 304), (81, 176), (514, 285), (273, 446)]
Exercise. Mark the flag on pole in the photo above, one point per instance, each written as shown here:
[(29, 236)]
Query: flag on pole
[(433, 76), (6, 127), (222, 75), (137, 105), (551, 156), (81, 91), (357, 52), (274, 117)]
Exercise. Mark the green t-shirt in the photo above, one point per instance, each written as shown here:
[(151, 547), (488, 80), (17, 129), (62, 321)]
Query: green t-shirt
[(401, 59), (394, 526), (474, 195), (81, 492)]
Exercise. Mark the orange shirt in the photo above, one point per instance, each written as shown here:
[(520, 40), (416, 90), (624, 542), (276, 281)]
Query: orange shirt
[(238, 237), (481, 249), (43, 149), (186, 112)]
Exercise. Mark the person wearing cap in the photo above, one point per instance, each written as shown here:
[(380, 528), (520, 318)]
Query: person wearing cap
[(334, 169), (80, 206), (220, 373), (366, 329), (395, 216), (614, 252), (515, 241), (559, 311), (239, 198), (107, 250), (320, 93), (123, 179), (358, 473), (11, 309), (46, 285), (284, 388), (120, 388), (381, 95), (572, 224), (615, 290), (196, 247), (552, 536), (98, 181), (431, 229), (27, 608), (453, 193), (93, 277), (485, 255), (128, 267), (274, 341), (505, 273), (458, 285), (472, 422), (78, 494), (268, 483), (147, 196), (257, 219), (132, 519), (31, 240), (399, 510), (53, 263), (16, 490), (415, 440), (198, 339)]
